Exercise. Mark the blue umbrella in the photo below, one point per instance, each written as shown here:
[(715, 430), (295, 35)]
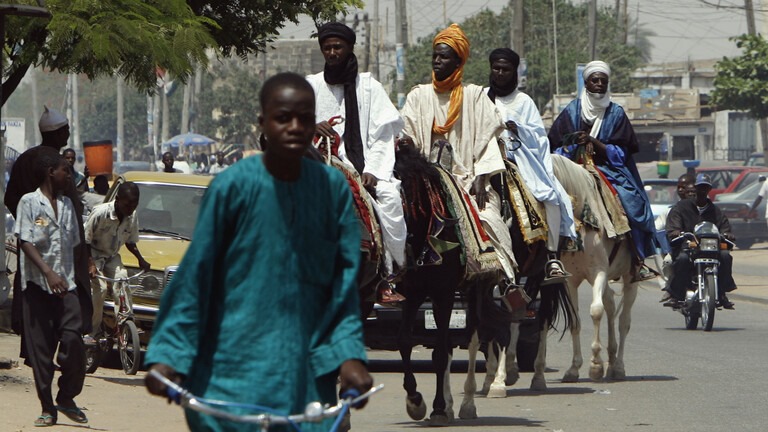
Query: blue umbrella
[(189, 139)]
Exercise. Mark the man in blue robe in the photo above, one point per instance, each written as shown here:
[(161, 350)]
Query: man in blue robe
[(264, 308), (594, 127)]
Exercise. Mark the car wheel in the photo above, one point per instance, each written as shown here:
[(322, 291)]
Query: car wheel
[(744, 243)]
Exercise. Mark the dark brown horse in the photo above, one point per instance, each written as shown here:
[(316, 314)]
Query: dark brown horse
[(438, 277)]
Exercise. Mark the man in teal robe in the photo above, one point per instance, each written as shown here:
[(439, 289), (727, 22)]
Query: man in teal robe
[(264, 307)]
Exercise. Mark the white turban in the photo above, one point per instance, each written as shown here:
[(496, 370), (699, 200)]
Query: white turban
[(52, 120), (596, 66)]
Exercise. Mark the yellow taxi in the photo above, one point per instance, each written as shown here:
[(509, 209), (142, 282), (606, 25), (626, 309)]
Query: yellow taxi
[(167, 214)]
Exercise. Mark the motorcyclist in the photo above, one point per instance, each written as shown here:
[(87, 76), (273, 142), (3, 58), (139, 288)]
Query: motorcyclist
[(683, 217)]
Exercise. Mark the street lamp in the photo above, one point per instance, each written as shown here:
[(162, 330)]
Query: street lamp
[(5, 10)]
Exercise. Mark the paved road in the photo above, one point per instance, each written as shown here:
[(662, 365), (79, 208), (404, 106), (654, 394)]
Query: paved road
[(677, 380)]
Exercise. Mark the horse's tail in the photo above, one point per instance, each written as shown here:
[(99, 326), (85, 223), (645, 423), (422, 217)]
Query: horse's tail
[(555, 303)]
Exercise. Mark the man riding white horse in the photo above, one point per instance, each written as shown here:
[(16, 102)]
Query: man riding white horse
[(527, 145)]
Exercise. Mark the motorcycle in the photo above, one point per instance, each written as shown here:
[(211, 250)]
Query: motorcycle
[(702, 297)]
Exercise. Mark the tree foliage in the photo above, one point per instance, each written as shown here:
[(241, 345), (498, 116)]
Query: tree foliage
[(132, 38), (742, 82), (488, 30)]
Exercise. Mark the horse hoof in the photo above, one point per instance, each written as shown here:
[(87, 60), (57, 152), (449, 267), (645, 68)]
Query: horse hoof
[(497, 392), (616, 374), (436, 419), (468, 412), (571, 377), (512, 378), (538, 384), (416, 407), (596, 373)]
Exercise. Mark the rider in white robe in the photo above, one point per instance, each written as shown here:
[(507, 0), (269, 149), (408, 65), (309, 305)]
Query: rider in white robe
[(380, 123), (534, 163)]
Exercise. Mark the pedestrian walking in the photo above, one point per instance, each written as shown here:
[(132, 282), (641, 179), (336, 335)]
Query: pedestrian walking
[(46, 226)]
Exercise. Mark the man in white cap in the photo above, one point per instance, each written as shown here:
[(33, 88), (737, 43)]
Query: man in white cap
[(54, 128), (594, 129)]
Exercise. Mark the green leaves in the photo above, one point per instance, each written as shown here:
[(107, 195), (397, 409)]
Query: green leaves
[(742, 82)]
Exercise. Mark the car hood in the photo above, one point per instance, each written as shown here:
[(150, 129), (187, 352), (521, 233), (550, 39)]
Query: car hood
[(160, 252)]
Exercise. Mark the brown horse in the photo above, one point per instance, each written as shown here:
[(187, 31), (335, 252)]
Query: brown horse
[(439, 277)]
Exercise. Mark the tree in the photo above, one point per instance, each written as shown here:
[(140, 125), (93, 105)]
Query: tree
[(741, 82), (132, 38), (488, 30)]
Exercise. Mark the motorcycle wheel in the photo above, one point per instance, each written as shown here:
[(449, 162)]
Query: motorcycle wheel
[(130, 347), (691, 318), (708, 304)]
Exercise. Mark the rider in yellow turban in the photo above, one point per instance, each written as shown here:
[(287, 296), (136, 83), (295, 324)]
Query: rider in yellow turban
[(455, 38)]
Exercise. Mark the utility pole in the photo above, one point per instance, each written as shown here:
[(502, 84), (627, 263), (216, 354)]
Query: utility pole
[(750, 17), (592, 22), (77, 144), (401, 42), (376, 39), (517, 31), (185, 108), (554, 32), (120, 120)]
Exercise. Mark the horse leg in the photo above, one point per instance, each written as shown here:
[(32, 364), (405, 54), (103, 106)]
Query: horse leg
[(442, 306), (609, 303), (625, 319), (414, 402), (491, 363), (577, 359), (512, 372), (498, 387), (538, 382), (468, 410), (596, 311)]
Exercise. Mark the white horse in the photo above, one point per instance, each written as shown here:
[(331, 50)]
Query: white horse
[(602, 260)]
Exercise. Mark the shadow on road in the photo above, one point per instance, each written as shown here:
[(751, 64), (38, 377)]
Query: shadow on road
[(480, 422)]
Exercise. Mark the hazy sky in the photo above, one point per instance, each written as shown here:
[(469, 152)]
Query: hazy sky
[(685, 29)]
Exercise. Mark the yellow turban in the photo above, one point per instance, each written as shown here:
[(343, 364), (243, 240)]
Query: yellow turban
[(455, 38)]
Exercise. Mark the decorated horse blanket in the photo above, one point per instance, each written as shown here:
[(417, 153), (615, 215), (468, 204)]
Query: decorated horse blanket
[(478, 253), (529, 213), (372, 242)]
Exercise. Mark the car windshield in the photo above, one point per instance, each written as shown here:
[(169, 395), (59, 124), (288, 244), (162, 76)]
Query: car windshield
[(170, 209), (664, 194), (748, 193), (722, 178)]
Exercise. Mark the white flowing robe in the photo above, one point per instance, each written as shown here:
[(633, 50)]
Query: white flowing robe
[(534, 162), (475, 152), (380, 123)]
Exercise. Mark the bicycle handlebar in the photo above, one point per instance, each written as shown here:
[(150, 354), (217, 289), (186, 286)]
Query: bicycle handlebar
[(314, 411), (115, 280)]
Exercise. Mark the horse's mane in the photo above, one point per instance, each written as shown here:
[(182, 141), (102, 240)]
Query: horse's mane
[(581, 187)]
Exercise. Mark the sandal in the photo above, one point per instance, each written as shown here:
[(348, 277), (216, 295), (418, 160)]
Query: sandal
[(74, 413), (644, 273), (45, 420)]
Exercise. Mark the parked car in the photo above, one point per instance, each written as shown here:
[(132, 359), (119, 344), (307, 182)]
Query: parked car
[(167, 214), (728, 179), (383, 323), (755, 159), (663, 194), (748, 230)]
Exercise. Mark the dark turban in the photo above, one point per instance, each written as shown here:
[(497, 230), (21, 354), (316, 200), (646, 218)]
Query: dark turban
[(345, 73), (336, 29), (510, 56)]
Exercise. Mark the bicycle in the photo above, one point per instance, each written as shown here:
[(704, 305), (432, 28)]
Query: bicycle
[(314, 411), (125, 333)]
